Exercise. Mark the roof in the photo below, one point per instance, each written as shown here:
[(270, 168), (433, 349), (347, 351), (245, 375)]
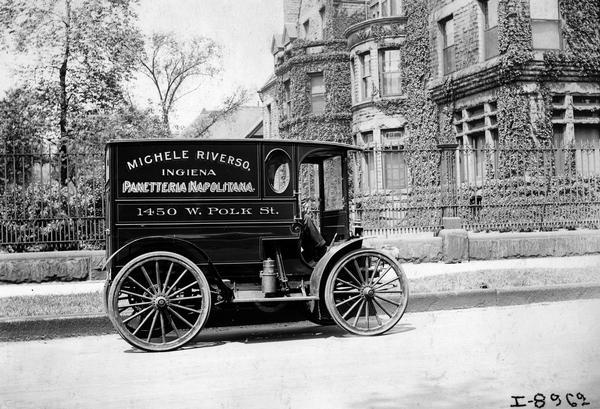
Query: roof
[(268, 83), (238, 124), (267, 141)]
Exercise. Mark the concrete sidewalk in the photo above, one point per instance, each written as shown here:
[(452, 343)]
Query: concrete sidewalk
[(590, 263), (36, 327)]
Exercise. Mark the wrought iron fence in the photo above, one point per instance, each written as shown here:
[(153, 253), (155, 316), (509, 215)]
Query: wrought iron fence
[(40, 210), (396, 190), (500, 189)]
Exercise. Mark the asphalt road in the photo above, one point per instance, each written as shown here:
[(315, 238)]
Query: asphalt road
[(477, 358)]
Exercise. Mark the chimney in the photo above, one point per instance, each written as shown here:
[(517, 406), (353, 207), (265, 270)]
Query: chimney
[(291, 8)]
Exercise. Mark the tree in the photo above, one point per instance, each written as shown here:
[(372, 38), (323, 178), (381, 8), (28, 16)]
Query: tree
[(170, 63), (23, 129), (83, 52), (125, 121)]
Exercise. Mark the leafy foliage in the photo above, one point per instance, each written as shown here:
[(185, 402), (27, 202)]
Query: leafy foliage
[(170, 63)]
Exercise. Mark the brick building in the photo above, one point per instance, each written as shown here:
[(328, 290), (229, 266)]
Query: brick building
[(517, 72), (464, 75), (308, 96)]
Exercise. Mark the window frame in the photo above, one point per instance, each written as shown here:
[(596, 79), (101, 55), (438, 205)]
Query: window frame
[(448, 67), (490, 33), (365, 78), (382, 72), (557, 21), (384, 8), (270, 157), (287, 96), (314, 95)]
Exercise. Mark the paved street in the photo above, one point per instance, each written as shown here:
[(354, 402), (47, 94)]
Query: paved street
[(474, 358)]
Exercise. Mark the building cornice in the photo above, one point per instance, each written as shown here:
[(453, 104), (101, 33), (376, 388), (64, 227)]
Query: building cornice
[(487, 76), (376, 29)]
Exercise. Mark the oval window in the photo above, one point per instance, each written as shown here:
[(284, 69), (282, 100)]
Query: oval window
[(278, 170)]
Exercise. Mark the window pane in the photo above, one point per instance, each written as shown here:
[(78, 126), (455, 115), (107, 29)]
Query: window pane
[(366, 64), (449, 60), (367, 137), (396, 8), (491, 42), (391, 83), (587, 154), (544, 9), (369, 181), (317, 86), (332, 171), (492, 10), (366, 74), (288, 102), (392, 137), (391, 60), (478, 144), (448, 32), (278, 171), (546, 34), (587, 135), (317, 91), (390, 67), (394, 170), (318, 104)]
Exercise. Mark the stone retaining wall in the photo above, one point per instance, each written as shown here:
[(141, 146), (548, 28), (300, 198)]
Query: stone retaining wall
[(51, 266), (454, 246)]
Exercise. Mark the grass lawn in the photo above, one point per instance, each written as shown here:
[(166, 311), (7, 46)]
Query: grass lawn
[(500, 279), (65, 304)]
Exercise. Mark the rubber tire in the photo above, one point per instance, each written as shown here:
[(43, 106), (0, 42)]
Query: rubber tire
[(330, 302), (179, 342)]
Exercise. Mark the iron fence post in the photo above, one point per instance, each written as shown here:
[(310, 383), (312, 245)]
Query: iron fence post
[(448, 199)]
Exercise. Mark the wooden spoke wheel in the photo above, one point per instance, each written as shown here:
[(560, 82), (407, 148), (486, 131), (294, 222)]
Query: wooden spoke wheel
[(366, 292), (159, 301)]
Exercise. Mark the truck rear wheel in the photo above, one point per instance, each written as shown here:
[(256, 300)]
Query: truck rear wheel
[(366, 292), (159, 301)]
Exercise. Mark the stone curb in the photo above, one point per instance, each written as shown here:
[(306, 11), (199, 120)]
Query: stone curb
[(45, 327)]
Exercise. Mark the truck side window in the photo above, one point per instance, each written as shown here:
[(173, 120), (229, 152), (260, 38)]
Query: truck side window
[(332, 170), (278, 170)]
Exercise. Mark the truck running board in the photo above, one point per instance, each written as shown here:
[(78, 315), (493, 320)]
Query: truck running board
[(258, 296)]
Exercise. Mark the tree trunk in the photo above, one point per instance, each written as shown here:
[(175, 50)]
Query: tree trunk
[(165, 118), (64, 166), (64, 102)]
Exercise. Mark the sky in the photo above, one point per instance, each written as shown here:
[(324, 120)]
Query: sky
[(244, 28)]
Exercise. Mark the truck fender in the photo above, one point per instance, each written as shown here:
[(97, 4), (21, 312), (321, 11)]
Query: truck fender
[(327, 262), (157, 239), (322, 269), (192, 251)]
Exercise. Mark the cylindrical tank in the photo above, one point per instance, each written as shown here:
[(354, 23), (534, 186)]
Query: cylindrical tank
[(268, 277)]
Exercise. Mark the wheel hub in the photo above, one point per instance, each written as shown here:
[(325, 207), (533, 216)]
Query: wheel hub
[(368, 292), (161, 302)]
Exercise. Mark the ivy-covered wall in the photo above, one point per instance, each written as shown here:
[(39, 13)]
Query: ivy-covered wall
[(329, 56), (523, 124), (415, 105), (517, 81), (332, 60)]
